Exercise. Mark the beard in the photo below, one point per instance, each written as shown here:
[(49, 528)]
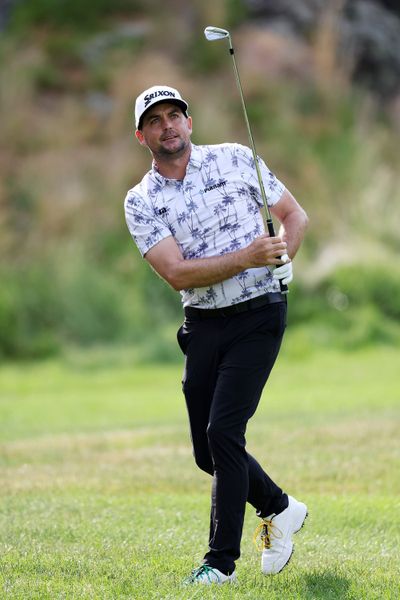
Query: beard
[(178, 149)]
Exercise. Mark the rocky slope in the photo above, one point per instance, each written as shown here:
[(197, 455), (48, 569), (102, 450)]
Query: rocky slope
[(367, 33)]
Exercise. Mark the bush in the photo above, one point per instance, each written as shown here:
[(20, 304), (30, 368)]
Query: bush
[(91, 307), (29, 314), (162, 303), (68, 14), (355, 305), (375, 285), (236, 12), (43, 308)]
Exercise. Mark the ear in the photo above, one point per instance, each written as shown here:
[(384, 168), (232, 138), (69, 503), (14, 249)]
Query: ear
[(139, 135), (190, 124)]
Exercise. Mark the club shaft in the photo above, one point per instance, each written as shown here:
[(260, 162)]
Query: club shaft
[(251, 139), (269, 223)]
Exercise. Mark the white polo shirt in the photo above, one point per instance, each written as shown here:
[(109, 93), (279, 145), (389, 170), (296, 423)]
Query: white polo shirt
[(212, 211)]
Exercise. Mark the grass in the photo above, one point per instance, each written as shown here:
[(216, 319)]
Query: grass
[(100, 497)]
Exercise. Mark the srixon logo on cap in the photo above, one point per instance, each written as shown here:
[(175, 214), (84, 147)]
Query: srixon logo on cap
[(149, 97)]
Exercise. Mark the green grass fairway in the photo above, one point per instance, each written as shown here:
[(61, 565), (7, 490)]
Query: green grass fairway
[(100, 497)]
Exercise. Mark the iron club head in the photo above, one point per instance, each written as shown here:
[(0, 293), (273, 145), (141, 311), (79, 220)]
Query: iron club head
[(215, 33)]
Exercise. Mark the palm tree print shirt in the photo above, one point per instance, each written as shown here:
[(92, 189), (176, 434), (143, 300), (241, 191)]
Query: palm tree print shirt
[(215, 209)]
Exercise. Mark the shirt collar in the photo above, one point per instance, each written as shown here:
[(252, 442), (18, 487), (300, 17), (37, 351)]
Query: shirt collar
[(195, 159), (194, 163)]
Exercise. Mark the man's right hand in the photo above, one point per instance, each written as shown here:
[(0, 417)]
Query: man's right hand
[(265, 250)]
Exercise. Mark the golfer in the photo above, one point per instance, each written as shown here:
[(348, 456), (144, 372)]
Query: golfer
[(195, 217)]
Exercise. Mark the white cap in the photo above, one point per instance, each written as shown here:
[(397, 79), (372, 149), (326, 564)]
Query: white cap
[(155, 95)]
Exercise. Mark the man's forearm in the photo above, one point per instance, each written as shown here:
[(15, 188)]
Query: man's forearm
[(203, 272), (292, 231), (167, 260)]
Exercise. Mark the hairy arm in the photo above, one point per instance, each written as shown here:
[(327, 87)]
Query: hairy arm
[(294, 222), (167, 260)]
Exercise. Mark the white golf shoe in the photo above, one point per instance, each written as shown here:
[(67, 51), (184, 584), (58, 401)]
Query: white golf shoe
[(207, 575), (275, 533)]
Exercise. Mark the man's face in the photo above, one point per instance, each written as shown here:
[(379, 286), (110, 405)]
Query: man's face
[(165, 130)]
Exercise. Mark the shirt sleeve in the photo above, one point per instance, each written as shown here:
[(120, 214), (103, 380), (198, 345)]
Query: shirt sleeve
[(273, 187), (145, 227)]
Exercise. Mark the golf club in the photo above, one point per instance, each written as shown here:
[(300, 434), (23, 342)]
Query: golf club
[(216, 33)]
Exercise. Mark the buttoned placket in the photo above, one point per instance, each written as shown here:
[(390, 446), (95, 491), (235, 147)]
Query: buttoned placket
[(194, 164)]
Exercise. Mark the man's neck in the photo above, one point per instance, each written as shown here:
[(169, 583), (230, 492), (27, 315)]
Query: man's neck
[(172, 167)]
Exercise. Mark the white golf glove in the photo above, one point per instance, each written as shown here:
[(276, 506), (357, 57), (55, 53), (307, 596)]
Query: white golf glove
[(284, 272)]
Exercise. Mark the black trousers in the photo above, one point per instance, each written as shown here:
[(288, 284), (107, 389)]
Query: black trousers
[(228, 361)]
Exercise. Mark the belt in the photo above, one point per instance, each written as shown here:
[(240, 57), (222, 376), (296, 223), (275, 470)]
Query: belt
[(234, 309)]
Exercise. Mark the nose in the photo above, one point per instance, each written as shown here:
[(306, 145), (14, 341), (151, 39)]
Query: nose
[(167, 122)]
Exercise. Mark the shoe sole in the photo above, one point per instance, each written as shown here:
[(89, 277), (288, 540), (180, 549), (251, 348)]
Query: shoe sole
[(292, 550), (291, 554), (302, 525)]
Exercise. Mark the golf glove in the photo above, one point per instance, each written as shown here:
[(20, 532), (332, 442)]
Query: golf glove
[(284, 273)]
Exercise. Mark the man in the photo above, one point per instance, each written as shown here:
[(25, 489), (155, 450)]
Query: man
[(196, 219)]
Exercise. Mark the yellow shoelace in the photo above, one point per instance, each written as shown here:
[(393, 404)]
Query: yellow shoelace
[(263, 533)]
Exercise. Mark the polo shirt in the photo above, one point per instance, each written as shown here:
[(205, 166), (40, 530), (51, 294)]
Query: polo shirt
[(215, 209)]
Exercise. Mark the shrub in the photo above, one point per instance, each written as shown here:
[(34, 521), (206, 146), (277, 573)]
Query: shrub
[(69, 14), (370, 284), (47, 306), (356, 305), (29, 313)]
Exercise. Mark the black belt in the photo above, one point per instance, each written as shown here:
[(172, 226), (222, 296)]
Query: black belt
[(234, 309)]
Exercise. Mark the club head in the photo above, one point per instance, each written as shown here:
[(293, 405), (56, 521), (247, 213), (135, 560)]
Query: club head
[(215, 33)]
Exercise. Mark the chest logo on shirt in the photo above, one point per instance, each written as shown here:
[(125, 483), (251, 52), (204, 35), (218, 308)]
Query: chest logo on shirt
[(215, 186)]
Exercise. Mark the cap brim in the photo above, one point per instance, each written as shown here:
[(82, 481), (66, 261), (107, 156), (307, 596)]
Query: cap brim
[(179, 103)]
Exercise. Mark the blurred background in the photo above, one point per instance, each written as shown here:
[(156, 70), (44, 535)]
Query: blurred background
[(322, 83)]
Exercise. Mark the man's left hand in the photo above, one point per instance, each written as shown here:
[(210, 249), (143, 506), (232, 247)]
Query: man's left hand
[(284, 273)]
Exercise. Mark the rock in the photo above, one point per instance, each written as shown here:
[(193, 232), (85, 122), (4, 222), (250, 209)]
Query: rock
[(300, 16), (5, 11), (368, 34), (371, 33)]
